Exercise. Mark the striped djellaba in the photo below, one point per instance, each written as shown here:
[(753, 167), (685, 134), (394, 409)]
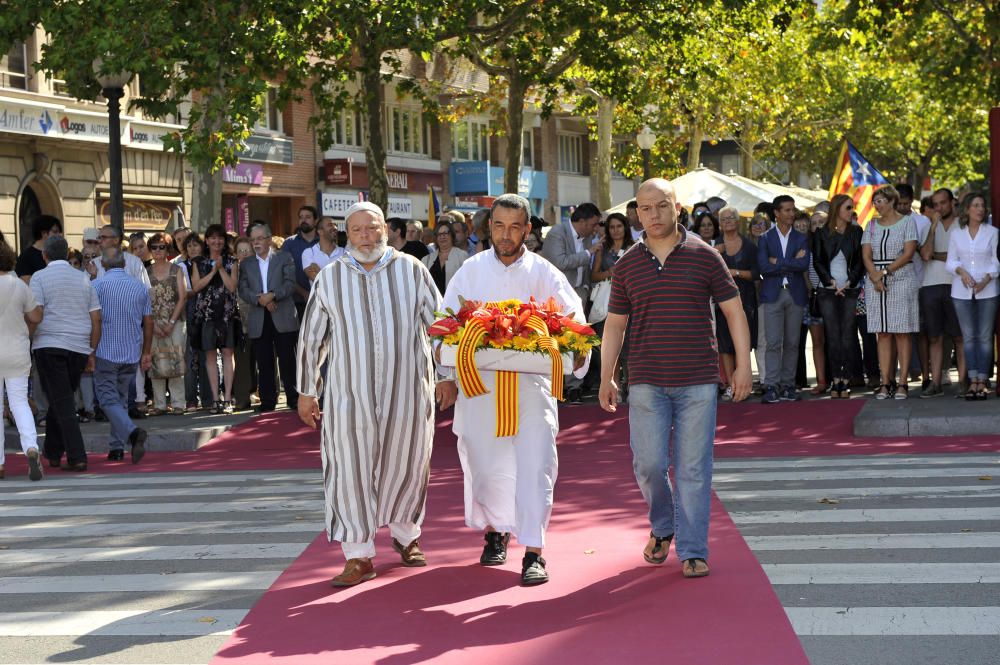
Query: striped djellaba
[(378, 387)]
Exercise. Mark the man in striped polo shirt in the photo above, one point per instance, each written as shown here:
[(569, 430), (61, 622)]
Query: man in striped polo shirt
[(126, 339), (662, 291)]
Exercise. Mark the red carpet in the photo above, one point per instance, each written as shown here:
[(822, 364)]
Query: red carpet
[(603, 605), (270, 441)]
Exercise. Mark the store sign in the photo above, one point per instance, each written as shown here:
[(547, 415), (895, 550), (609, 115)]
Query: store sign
[(396, 179), (139, 215), (243, 174), (59, 121), (335, 205), (337, 171), (148, 135), (471, 178), (257, 148)]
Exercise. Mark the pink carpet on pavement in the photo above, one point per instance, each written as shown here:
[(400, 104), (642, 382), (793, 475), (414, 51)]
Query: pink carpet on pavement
[(604, 604)]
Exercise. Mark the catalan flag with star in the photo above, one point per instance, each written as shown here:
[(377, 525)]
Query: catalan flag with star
[(856, 177)]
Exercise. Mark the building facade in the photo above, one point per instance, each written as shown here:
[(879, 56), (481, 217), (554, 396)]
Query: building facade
[(54, 157)]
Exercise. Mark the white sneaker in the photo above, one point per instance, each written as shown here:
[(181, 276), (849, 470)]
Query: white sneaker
[(727, 395)]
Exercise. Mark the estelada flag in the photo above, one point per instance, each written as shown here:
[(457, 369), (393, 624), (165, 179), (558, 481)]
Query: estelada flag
[(856, 176), (433, 207)]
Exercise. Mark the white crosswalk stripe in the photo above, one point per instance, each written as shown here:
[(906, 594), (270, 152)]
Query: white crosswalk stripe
[(862, 550), (147, 558)]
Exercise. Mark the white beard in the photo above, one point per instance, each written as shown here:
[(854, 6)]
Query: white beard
[(369, 257)]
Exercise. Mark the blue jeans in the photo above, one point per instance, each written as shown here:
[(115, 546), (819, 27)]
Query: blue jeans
[(689, 411), (977, 318), (111, 383)]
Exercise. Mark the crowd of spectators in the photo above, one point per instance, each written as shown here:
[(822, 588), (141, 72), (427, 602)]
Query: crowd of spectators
[(121, 329)]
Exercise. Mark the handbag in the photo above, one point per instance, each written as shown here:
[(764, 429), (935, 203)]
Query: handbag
[(599, 297)]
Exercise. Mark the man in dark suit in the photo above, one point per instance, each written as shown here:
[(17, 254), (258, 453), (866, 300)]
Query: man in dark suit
[(570, 247), (783, 256), (267, 282)]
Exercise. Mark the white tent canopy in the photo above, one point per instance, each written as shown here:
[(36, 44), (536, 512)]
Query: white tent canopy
[(741, 193)]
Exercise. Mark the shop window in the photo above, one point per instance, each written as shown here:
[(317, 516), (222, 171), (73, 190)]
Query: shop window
[(470, 140), (14, 68), (528, 148), (571, 153), (270, 120)]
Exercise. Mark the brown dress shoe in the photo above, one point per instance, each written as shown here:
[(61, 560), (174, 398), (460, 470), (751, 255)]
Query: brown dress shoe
[(79, 466), (355, 572), (411, 554)]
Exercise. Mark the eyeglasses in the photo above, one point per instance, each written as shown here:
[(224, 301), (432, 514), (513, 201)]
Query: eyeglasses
[(444, 235), (157, 247)]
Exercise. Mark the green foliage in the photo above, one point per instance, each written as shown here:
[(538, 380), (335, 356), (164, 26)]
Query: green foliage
[(214, 57)]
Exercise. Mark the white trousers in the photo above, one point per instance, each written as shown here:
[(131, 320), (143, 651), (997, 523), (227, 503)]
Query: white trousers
[(17, 398), (404, 532), (509, 482)]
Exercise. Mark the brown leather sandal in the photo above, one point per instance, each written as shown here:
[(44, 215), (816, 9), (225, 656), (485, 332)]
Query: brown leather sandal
[(660, 550), (691, 568)]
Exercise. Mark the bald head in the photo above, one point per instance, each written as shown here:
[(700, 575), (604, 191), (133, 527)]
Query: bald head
[(656, 185), (657, 208)]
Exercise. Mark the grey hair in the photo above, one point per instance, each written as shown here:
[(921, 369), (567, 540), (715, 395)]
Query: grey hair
[(265, 226), (728, 210), (113, 258), (513, 202), (56, 248), (111, 227)]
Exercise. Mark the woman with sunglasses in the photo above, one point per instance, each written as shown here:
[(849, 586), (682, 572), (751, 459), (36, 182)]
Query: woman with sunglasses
[(887, 247), (837, 258), (169, 294), (445, 258)]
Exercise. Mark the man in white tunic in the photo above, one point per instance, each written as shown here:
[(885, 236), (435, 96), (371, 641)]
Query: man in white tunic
[(509, 480), (366, 316)]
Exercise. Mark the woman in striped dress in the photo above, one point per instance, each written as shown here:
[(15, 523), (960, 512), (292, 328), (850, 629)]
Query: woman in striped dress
[(888, 245)]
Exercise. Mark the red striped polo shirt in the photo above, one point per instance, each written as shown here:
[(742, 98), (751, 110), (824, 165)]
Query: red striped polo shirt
[(671, 342)]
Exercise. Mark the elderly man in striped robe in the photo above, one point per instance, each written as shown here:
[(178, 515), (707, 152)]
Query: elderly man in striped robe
[(365, 321)]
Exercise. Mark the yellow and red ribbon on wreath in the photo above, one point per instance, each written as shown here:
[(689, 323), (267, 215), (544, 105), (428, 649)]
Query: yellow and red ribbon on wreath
[(510, 325)]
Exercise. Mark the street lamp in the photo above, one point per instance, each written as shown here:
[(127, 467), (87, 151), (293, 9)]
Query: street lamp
[(113, 88), (646, 140)]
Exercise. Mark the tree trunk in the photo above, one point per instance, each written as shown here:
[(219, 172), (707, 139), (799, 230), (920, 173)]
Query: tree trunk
[(794, 172), (695, 138), (372, 94), (206, 199), (602, 162), (746, 150), (515, 126)]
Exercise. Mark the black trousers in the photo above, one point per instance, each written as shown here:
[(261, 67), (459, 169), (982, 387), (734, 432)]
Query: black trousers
[(270, 345), (840, 325), (60, 370)]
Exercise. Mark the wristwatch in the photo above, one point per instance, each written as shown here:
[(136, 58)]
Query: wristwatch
[(173, 321)]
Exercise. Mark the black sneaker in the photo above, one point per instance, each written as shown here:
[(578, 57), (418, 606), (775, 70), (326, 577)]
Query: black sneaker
[(533, 570), (575, 396), (495, 550), (116, 455), (138, 441)]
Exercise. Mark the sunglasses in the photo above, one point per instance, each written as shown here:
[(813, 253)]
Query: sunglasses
[(156, 247)]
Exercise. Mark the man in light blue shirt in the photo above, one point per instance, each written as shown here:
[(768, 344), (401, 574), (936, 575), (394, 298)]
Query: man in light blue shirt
[(126, 340)]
